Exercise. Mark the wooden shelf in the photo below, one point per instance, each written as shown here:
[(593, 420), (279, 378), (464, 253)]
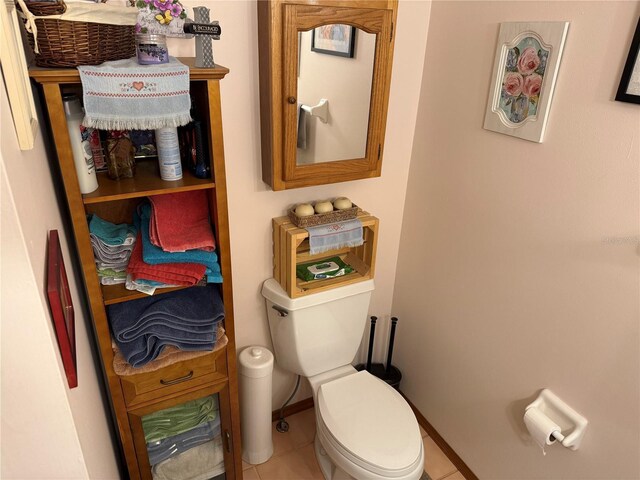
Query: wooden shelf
[(118, 293), (291, 248), (71, 75), (146, 182)]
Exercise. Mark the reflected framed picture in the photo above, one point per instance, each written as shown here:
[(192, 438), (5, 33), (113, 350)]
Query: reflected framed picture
[(335, 39), (62, 308), (525, 71), (629, 89)]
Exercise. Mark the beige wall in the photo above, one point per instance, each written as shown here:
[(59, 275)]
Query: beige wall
[(252, 204), (39, 412), (518, 264)]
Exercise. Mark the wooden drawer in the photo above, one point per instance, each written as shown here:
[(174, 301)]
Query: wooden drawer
[(177, 378)]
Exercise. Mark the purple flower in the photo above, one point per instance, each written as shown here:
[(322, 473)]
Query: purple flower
[(176, 9), (138, 27), (161, 4)]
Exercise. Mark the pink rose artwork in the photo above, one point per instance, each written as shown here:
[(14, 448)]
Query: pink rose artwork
[(513, 83), (532, 85), (528, 61), (524, 69)]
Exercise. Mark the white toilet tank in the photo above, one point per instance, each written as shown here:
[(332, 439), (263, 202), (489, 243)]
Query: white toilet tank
[(318, 332)]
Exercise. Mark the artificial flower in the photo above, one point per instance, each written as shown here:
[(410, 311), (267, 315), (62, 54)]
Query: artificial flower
[(176, 9), (162, 4), (164, 19)]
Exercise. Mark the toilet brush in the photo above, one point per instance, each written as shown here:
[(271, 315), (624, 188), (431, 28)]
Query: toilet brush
[(394, 321), (372, 336)]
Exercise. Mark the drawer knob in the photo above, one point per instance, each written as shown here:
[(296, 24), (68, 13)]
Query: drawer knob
[(177, 380)]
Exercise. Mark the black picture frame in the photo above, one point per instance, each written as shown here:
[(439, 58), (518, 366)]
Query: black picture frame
[(632, 64), (344, 47)]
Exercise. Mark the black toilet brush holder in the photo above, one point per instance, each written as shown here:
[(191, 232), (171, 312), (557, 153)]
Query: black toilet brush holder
[(388, 372)]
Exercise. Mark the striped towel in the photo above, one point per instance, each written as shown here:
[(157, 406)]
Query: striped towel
[(123, 95)]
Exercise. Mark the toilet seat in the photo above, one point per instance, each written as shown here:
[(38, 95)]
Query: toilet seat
[(369, 424)]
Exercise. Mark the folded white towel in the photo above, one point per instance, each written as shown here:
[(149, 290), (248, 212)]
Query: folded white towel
[(335, 235), (198, 463)]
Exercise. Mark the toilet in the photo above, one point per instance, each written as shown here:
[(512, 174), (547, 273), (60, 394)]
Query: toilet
[(365, 430)]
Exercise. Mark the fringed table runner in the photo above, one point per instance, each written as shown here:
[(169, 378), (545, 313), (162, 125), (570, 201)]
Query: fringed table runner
[(123, 95)]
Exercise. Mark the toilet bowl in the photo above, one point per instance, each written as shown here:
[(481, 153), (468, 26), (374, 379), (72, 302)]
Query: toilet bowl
[(365, 430)]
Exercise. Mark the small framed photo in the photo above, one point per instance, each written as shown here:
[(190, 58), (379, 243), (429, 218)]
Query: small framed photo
[(524, 76), (629, 89), (335, 39)]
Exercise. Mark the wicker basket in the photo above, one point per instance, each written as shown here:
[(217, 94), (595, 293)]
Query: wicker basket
[(62, 43), (323, 218)]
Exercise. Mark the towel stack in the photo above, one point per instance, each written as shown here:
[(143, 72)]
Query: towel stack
[(176, 243), (112, 246), (168, 356), (187, 319), (183, 442)]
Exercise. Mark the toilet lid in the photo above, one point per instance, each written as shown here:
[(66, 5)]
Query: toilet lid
[(370, 420)]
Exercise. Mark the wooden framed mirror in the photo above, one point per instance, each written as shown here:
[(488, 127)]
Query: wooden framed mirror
[(325, 70)]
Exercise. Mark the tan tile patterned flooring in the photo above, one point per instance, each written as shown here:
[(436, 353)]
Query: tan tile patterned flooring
[(294, 458)]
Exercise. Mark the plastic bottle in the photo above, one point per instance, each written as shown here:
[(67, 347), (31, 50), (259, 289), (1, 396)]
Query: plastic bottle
[(169, 153), (81, 148)]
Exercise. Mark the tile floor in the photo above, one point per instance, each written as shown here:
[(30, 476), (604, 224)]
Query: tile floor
[(294, 457)]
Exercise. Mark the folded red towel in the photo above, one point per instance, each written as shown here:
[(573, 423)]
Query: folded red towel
[(170, 273), (193, 230)]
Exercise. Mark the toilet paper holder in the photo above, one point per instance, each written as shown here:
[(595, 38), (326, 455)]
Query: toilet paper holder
[(573, 425)]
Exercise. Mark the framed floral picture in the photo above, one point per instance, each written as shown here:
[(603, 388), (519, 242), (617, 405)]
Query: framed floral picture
[(629, 89), (524, 76)]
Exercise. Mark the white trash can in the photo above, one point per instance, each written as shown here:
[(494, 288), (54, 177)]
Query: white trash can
[(256, 372)]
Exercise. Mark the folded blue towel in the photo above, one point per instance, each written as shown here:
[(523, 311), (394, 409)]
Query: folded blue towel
[(108, 232), (155, 255), (187, 319), (175, 445)]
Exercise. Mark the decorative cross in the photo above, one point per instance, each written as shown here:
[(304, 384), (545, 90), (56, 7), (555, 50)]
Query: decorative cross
[(206, 31)]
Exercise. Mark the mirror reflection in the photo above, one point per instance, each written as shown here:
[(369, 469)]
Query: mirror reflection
[(335, 63)]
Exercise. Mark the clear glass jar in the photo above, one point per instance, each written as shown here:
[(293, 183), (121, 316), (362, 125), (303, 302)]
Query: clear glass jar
[(151, 49)]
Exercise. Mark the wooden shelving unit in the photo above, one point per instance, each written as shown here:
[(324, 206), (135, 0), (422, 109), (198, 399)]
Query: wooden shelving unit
[(134, 396), (291, 248)]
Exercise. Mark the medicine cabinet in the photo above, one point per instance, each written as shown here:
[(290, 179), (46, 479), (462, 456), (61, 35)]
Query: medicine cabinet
[(325, 71)]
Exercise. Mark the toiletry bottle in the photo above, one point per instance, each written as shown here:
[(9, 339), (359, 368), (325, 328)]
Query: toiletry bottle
[(82, 154), (169, 153)]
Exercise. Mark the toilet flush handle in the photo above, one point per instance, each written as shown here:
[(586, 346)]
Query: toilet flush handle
[(281, 311)]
